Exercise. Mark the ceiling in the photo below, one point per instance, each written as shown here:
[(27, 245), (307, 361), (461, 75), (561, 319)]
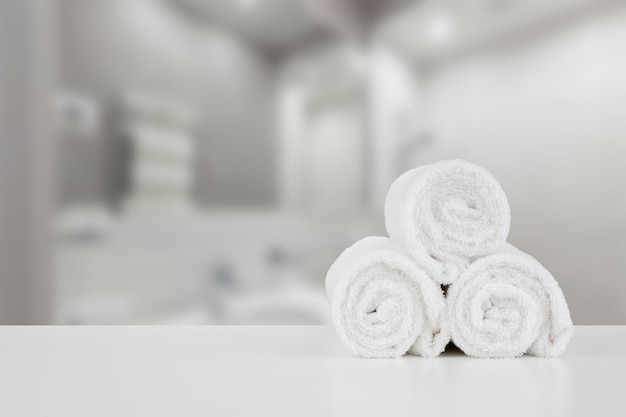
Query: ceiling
[(281, 25), (276, 25), (432, 29), (423, 29)]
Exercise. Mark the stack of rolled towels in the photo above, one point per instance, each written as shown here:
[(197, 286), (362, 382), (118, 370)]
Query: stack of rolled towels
[(446, 273)]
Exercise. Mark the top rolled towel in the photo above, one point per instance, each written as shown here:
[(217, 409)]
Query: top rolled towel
[(450, 208)]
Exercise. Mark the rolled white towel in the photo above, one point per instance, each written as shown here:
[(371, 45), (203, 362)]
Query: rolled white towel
[(453, 209), (383, 304), (507, 304)]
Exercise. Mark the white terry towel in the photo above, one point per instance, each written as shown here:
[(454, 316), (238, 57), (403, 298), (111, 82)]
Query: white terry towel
[(452, 209), (507, 304), (383, 304)]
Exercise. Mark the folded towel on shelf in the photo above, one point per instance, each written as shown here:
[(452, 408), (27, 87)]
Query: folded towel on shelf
[(383, 304), (450, 208), (508, 304)]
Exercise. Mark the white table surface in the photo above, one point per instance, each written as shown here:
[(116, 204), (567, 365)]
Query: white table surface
[(291, 371)]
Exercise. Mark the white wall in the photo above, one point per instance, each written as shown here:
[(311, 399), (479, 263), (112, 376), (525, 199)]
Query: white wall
[(154, 46), (547, 115), (26, 163)]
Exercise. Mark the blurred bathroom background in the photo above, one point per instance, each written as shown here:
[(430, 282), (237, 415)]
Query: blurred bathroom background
[(205, 161)]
